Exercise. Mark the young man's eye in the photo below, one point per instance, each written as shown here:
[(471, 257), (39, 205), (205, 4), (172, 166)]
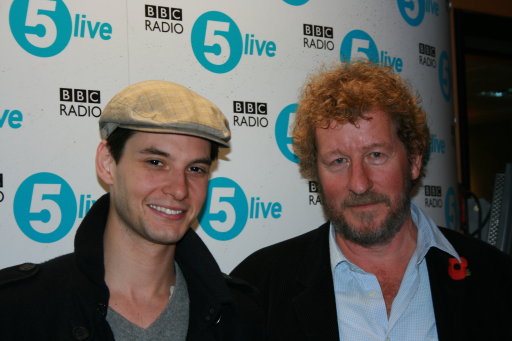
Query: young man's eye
[(155, 162), (197, 169)]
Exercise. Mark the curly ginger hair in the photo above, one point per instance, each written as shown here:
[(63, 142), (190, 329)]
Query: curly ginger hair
[(345, 93)]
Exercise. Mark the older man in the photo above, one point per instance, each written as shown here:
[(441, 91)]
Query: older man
[(380, 268)]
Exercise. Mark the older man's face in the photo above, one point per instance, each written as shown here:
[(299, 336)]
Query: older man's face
[(365, 177)]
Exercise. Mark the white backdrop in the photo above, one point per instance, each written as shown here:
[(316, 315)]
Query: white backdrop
[(62, 60)]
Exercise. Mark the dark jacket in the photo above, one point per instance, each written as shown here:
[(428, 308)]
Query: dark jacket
[(295, 280), (66, 298)]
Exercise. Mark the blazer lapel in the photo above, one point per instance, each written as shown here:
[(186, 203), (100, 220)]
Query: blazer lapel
[(314, 303), (447, 296)]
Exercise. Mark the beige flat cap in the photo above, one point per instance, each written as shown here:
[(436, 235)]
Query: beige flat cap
[(164, 107)]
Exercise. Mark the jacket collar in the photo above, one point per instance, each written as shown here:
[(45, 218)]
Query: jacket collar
[(314, 302), (89, 242), (447, 295), (207, 289), (208, 292)]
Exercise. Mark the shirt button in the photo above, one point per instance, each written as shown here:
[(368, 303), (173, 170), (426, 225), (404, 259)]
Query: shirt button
[(374, 294)]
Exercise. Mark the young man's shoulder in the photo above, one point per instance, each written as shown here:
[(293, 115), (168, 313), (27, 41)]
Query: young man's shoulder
[(31, 282)]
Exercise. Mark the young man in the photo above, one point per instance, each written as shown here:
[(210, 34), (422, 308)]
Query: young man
[(380, 269), (138, 271)]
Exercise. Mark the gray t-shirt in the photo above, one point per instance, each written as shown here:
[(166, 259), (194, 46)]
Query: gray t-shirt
[(172, 324)]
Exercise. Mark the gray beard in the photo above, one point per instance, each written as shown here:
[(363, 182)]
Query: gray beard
[(375, 235)]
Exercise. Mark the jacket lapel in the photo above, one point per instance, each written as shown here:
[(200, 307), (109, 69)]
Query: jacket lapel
[(314, 303), (447, 296)]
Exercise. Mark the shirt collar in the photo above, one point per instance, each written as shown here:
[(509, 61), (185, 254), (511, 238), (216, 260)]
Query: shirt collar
[(335, 253), (429, 236)]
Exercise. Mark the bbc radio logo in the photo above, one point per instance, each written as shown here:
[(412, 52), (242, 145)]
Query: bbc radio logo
[(227, 210), (250, 114), (46, 208), (218, 44), (358, 44), (427, 55), (434, 199), (163, 19), (80, 102), (318, 37), (44, 28), (433, 196), (414, 11)]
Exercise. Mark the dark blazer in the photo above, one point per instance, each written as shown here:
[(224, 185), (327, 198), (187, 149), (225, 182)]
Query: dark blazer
[(296, 283)]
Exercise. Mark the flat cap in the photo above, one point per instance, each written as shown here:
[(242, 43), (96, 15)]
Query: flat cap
[(164, 107)]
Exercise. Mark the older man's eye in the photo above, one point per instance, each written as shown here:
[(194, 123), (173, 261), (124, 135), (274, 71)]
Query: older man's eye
[(339, 163), (377, 158)]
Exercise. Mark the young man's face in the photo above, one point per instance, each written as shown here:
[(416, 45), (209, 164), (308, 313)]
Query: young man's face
[(365, 177), (159, 185)]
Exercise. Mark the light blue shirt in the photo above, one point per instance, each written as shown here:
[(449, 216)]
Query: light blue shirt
[(360, 304)]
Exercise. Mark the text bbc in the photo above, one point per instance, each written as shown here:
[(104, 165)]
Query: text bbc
[(79, 95), (318, 31), (162, 12)]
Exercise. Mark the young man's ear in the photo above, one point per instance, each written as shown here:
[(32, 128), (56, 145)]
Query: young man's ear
[(105, 163)]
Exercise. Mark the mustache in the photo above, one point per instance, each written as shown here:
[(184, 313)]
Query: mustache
[(366, 198)]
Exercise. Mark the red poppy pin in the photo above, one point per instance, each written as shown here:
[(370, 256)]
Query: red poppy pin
[(458, 270)]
